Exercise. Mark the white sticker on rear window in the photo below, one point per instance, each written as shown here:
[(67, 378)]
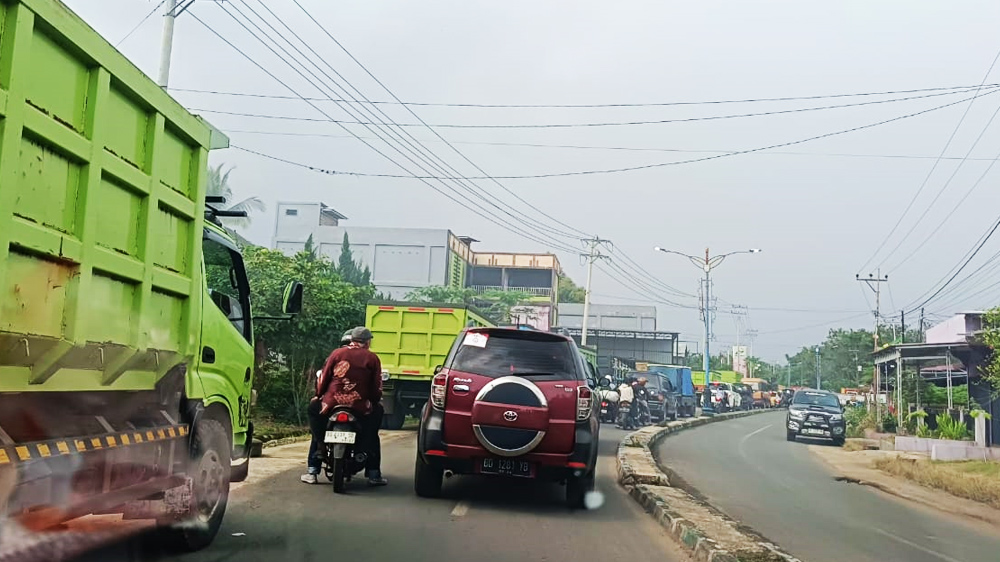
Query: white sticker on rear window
[(475, 339)]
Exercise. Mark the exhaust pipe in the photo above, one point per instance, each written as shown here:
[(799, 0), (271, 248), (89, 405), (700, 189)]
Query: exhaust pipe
[(448, 474)]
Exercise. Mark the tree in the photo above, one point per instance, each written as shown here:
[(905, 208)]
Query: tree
[(218, 186), (990, 337), (310, 250), (351, 270), (293, 350), (495, 305), (570, 291)]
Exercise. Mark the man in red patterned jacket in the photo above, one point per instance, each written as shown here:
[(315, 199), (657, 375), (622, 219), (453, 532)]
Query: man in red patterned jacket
[(351, 377)]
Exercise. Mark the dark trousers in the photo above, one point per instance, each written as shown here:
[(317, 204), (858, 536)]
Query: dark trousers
[(369, 439)]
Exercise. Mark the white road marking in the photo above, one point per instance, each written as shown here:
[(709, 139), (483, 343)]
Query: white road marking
[(944, 557), (751, 434), (461, 508)]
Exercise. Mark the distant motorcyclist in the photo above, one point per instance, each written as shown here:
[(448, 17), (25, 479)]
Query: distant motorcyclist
[(640, 406), (352, 377), (625, 400), (606, 392)]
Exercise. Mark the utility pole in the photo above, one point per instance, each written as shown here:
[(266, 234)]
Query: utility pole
[(167, 44), (922, 339), (902, 326), (788, 377), (174, 8), (874, 283), (593, 254), (818, 375)]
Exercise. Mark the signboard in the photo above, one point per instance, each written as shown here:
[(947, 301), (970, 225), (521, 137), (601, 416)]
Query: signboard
[(740, 360)]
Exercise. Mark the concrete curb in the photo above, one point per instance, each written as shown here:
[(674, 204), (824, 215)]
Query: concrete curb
[(637, 480)]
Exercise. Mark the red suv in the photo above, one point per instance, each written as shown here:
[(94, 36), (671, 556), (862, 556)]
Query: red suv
[(510, 402)]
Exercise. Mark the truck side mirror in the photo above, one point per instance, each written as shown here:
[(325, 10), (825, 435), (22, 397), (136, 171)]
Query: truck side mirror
[(291, 301)]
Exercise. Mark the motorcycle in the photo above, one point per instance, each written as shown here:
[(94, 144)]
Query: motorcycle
[(609, 412), (343, 455), (623, 414), (644, 414)]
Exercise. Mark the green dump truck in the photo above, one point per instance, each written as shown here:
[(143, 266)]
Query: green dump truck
[(126, 340), (411, 339)]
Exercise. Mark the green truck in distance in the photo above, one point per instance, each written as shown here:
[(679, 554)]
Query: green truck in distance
[(411, 339), (126, 336)]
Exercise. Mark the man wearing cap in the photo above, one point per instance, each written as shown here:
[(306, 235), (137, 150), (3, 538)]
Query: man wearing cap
[(352, 376)]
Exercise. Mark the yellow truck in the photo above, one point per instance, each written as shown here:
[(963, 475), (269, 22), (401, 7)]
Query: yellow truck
[(411, 339)]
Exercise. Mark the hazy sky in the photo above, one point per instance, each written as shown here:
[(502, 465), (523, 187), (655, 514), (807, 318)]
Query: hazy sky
[(817, 209)]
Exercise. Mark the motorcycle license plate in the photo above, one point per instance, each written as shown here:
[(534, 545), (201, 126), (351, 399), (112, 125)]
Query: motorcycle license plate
[(604, 410), (508, 467), (341, 437)]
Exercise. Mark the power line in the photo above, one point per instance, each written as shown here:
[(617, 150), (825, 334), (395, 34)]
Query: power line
[(436, 134), (291, 31), (927, 178), (597, 105), (944, 220), (620, 148), (375, 149), (941, 191), (573, 125), (806, 327), (654, 165), (142, 21), (415, 148), (973, 253)]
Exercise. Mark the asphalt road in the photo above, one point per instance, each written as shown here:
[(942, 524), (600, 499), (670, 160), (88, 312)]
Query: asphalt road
[(479, 518), (747, 469)]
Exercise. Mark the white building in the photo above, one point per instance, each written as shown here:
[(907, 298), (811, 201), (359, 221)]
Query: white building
[(400, 259)]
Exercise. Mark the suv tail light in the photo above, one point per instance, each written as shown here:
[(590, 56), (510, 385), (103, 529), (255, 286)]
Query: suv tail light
[(439, 388), (583, 402)]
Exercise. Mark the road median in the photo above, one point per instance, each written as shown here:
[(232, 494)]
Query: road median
[(707, 533)]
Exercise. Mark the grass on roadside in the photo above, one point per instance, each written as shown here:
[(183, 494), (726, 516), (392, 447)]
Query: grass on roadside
[(975, 480)]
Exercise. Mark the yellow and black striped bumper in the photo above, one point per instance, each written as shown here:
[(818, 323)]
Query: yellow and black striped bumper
[(22, 453)]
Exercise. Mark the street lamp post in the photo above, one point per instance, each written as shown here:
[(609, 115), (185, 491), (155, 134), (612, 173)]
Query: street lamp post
[(707, 265)]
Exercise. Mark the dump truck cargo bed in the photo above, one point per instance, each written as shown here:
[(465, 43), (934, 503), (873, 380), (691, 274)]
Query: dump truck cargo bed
[(102, 192)]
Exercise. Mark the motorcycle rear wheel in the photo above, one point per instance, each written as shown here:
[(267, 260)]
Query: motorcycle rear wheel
[(338, 475)]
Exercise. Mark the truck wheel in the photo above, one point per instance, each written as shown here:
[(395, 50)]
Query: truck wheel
[(394, 420), (790, 435), (427, 479), (338, 475), (577, 488), (209, 469), (838, 441)]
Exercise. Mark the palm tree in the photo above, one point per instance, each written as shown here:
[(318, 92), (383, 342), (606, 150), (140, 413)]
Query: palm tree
[(218, 185)]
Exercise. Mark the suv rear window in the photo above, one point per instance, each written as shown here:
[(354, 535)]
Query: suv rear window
[(532, 355)]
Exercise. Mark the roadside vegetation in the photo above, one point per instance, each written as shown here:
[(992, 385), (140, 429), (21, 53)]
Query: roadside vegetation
[(974, 480)]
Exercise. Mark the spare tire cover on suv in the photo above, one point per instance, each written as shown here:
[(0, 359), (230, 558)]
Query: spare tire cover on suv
[(510, 416)]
